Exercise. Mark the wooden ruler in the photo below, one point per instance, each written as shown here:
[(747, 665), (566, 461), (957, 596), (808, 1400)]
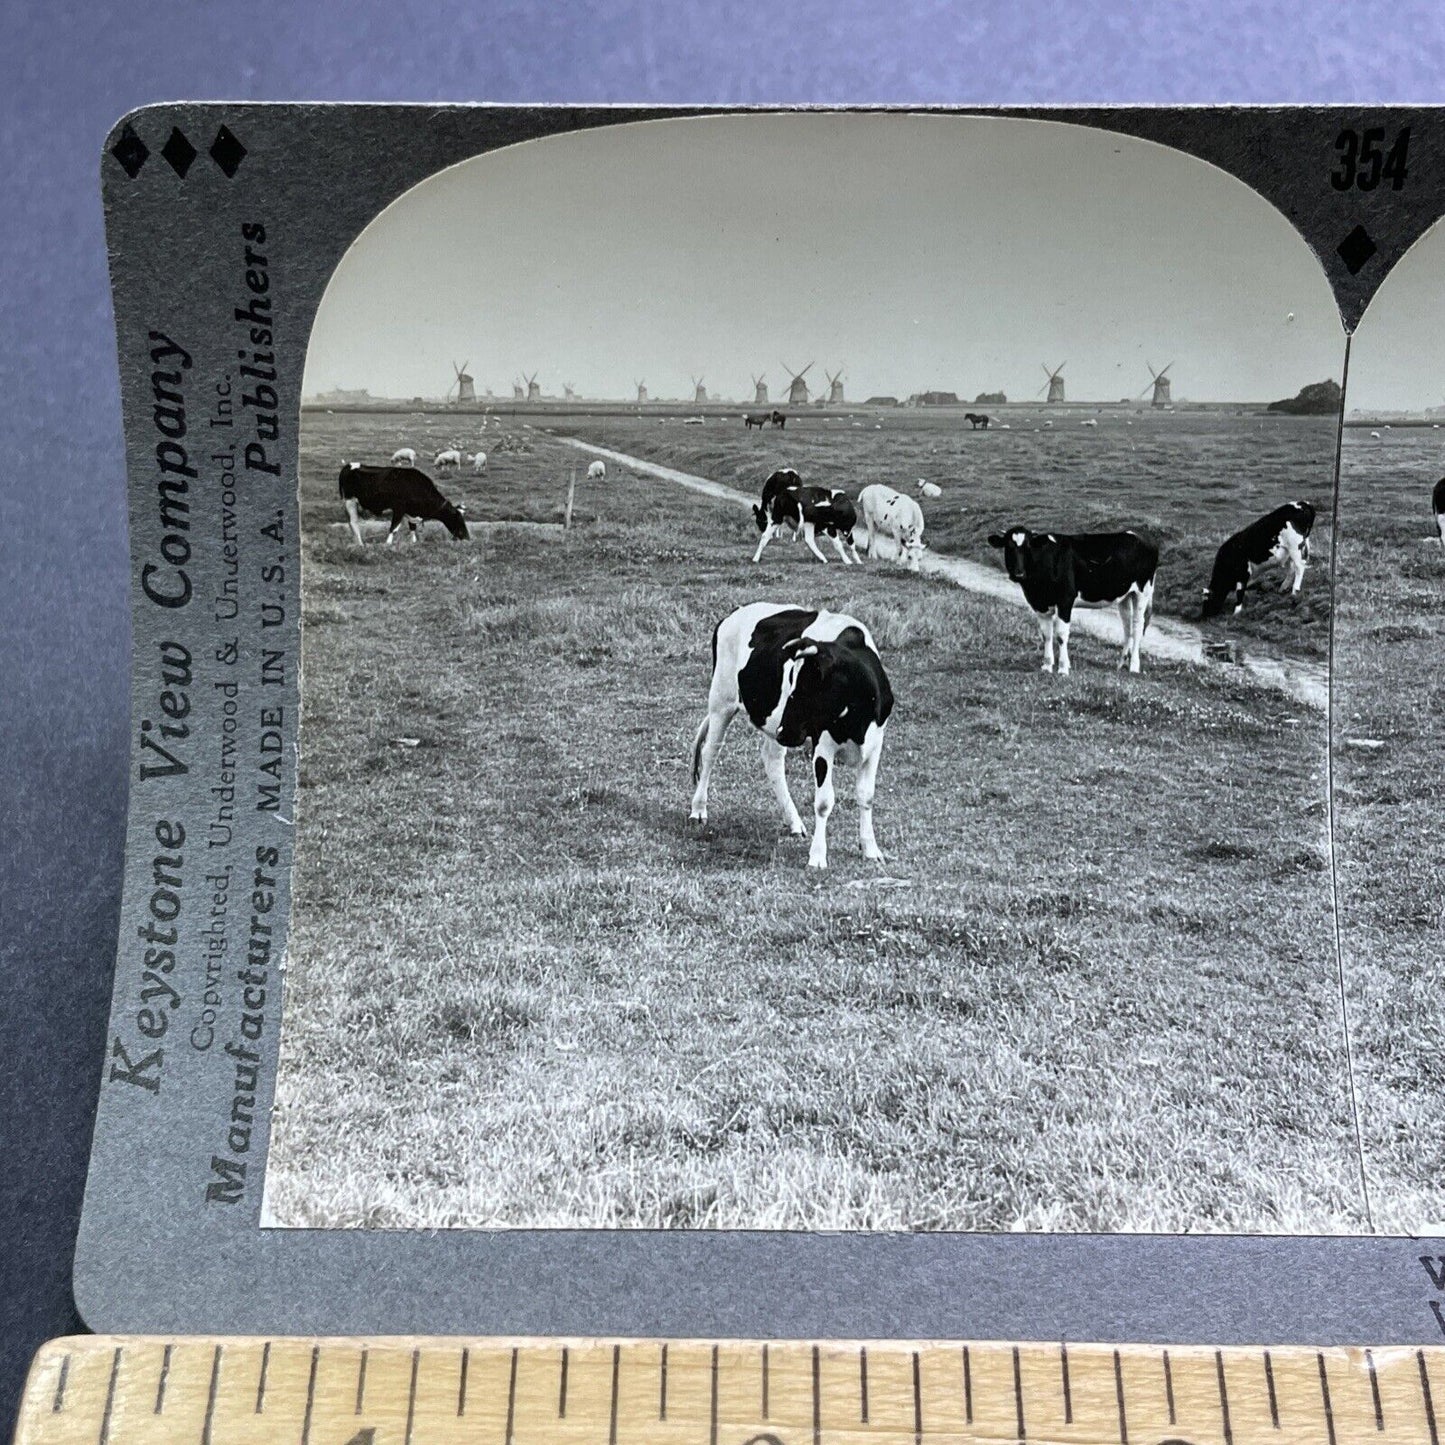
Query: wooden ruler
[(99, 1390)]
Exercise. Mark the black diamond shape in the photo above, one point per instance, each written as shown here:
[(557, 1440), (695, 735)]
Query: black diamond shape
[(131, 151), (1356, 249), (227, 151), (179, 152)]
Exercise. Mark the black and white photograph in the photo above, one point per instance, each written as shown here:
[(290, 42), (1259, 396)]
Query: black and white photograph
[(815, 695), (1389, 760)]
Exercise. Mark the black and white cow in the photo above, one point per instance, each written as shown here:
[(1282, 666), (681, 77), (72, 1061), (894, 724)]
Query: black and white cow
[(1090, 569), (804, 678), (1437, 505), (788, 502), (407, 494), (1282, 536)]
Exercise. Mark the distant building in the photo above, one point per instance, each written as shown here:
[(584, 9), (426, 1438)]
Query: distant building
[(934, 398), (345, 398), (990, 398)]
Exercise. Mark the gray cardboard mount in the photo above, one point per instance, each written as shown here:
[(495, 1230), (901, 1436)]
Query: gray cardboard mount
[(171, 1237)]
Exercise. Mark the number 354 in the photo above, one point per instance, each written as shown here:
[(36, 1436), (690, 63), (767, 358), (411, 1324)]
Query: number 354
[(1364, 162)]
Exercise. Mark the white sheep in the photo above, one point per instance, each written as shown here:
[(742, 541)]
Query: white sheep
[(450, 458), (403, 457), (929, 489), (479, 463), (597, 472)]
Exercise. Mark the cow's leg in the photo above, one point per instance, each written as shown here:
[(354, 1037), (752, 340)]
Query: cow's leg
[(1061, 627), (1128, 604), (851, 542), (396, 520), (824, 761), (705, 749), (868, 524), (1440, 526), (1297, 566), (353, 520), (763, 541), (415, 527), (870, 753), (1046, 627), (774, 765), (808, 535), (1141, 621), (838, 543)]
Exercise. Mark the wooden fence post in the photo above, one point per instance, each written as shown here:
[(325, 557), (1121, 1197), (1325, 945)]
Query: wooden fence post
[(571, 493)]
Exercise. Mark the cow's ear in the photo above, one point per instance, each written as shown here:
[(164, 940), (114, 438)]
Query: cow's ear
[(996, 539)]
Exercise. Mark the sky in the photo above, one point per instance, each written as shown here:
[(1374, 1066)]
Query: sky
[(1397, 357), (957, 253)]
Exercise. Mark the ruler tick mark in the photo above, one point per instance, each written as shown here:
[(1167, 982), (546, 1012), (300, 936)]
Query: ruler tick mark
[(462, 1383), (1169, 1387), (1325, 1397), (161, 1383), (712, 1403), (110, 1396), (1375, 1390), (863, 1383), (967, 1389), (1068, 1394), (1119, 1399), (310, 1395), (511, 1398), (817, 1397), (562, 1388), (261, 1382), (59, 1400), (1223, 1397), (662, 1386), (1269, 1385), (765, 1382), (361, 1382), (616, 1371), (1427, 1398), (1019, 1397), (917, 1401), (411, 1395), (210, 1398)]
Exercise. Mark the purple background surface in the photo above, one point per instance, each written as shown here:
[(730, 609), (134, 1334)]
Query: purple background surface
[(64, 632)]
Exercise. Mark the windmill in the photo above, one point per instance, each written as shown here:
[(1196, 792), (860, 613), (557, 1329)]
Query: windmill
[(641, 391), (517, 393), (699, 391), (534, 392), (1055, 383), (760, 390), (835, 387), (569, 391), (464, 387), (1159, 381), (797, 387)]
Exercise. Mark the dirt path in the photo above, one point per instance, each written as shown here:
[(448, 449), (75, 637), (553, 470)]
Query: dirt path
[(1168, 638)]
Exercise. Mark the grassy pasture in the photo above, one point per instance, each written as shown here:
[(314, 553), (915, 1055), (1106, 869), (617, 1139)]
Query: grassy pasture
[(1186, 479), (1091, 987), (1389, 688)]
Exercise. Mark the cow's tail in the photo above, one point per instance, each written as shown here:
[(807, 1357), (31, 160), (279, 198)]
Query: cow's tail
[(697, 743), (340, 486)]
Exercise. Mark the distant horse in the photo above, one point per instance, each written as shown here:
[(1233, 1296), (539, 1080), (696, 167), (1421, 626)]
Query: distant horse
[(976, 419), (779, 419), (758, 419)]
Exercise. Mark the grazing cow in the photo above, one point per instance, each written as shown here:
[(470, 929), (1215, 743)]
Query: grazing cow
[(896, 516), (779, 419), (758, 419), (976, 419), (597, 472), (407, 494), (1282, 536), (403, 457), (803, 677), (1092, 421), (928, 489), (1090, 569), (788, 502), (1437, 505), (449, 458), (479, 463)]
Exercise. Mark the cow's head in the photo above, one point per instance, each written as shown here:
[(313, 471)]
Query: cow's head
[(452, 518), (760, 516), (1016, 544)]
